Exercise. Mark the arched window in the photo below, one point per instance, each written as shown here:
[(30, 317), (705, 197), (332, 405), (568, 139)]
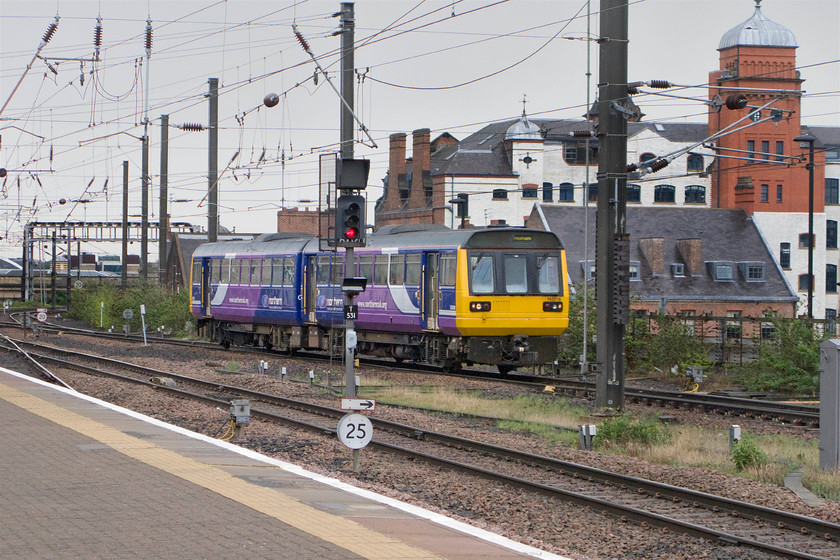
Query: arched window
[(634, 193), (548, 192), (566, 192), (647, 156), (664, 193), (499, 194), (694, 162), (695, 194), (529, 191)]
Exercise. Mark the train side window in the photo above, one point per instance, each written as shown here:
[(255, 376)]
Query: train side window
[(380, 270), (245, 272), (447, 270), (224, 277), (322, 274), (276, 271), (266, 272), (549, 274), (396, 275), (235, 271), (289, 271), (413, 268), (366, 267), (481, 275), (256, 269), (338, 270), (516, 274)]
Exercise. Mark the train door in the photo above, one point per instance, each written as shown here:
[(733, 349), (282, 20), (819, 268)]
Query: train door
[(431, 292), (205, 285), (310, 289)]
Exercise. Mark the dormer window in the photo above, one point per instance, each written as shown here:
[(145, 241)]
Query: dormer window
[(678, 270), (721, 271), (752, 271)]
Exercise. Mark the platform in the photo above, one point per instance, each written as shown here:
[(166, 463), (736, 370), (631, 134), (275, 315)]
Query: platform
[(83, 478)]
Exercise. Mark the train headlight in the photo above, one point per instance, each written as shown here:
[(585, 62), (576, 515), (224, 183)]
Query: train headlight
[(553, 306), (481, 306)]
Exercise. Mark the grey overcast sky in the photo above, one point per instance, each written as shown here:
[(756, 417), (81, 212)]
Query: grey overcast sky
[(452, 65)]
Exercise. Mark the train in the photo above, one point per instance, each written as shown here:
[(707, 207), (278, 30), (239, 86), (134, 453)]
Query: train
[(434, 295)]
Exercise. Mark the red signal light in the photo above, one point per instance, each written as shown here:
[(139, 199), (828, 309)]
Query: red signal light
[(351, 233)]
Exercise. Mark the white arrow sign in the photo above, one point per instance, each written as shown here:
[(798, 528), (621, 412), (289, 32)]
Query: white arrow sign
[(358, 404)]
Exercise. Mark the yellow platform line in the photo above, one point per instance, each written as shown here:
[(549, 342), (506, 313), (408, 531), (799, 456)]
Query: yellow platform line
[(337, 530)]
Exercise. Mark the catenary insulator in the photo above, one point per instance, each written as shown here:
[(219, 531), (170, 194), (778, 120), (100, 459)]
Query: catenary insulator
[(659, 84), (271, 100), (631, 167), (660, 163), (302, 41), (632, 90), (581, 134), (736, 101), (97, 33), (192, 127), (50, 32), (148, 35)]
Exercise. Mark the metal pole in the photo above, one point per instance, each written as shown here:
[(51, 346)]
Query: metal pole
[(213, 163), (144, 212), (69, 254), (584, 361), (53, 271), (124, 267), (163, 234), (347, 55), (24, 273), (811, 228), (612, 282)]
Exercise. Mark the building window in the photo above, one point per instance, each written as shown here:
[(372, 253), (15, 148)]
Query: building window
[(784, 255), (831, 234), (765, 149), (831, 278), (752, 271), (832, 190), (778, 193), (647, 156), (593, 192), (634, 271), (678, 270), (765, 193), (694, 162), (566, 192), (575, 153), (695, 194), (780, 150), (529, 191), (722, 271), (548, 192), (751, 151), (634, 193), (664, 193), (499, 194), (588, 268), (803, 241), (830, 326), (803, 282)]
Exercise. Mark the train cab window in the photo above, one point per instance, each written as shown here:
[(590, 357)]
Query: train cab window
[(516, 274), (196, 272), (322, 273), (289, 271), (447, 270), (481, 274), (548, 274), (265, 264), (396, 272), (380, 270), (276, 271), (256, 269), (413, 269), (366, 267), (225, 277), (337, 273)]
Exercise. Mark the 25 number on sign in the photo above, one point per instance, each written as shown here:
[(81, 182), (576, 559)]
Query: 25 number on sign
[(355, 430)]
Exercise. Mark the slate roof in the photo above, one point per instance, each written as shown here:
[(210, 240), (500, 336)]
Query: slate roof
[(726, 235)]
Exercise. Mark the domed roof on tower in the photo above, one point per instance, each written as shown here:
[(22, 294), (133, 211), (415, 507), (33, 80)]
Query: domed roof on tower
[(523, 129), (758, 31)]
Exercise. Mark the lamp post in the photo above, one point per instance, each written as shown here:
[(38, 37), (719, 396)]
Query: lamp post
[(810, 140)]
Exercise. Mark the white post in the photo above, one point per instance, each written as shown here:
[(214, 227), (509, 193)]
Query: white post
[(143, 321)]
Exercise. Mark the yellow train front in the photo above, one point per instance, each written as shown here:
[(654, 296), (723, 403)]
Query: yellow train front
[(512, 297)]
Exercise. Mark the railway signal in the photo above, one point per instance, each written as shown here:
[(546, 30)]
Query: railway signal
[(350, 221)]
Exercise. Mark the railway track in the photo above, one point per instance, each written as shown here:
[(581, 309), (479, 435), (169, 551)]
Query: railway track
[(786, 413), (720, 520)]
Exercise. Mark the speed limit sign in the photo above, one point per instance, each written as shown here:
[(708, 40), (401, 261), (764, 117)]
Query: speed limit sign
[(355, 430), (41, 316)]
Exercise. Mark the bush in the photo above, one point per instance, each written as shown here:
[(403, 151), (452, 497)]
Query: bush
[(163, 308), (663, 342), (626, 430), (571, 343), (746, 454)]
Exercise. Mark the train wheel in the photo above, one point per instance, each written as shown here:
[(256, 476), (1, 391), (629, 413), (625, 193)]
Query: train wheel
[(505, 369), (451, 366)]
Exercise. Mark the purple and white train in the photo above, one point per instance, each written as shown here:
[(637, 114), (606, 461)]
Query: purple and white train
[(446, 297)]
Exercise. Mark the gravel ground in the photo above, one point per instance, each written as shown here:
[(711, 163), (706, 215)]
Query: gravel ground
[(545, 523)]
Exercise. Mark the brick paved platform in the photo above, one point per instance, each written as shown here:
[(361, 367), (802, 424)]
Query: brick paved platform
[(85, 479)]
